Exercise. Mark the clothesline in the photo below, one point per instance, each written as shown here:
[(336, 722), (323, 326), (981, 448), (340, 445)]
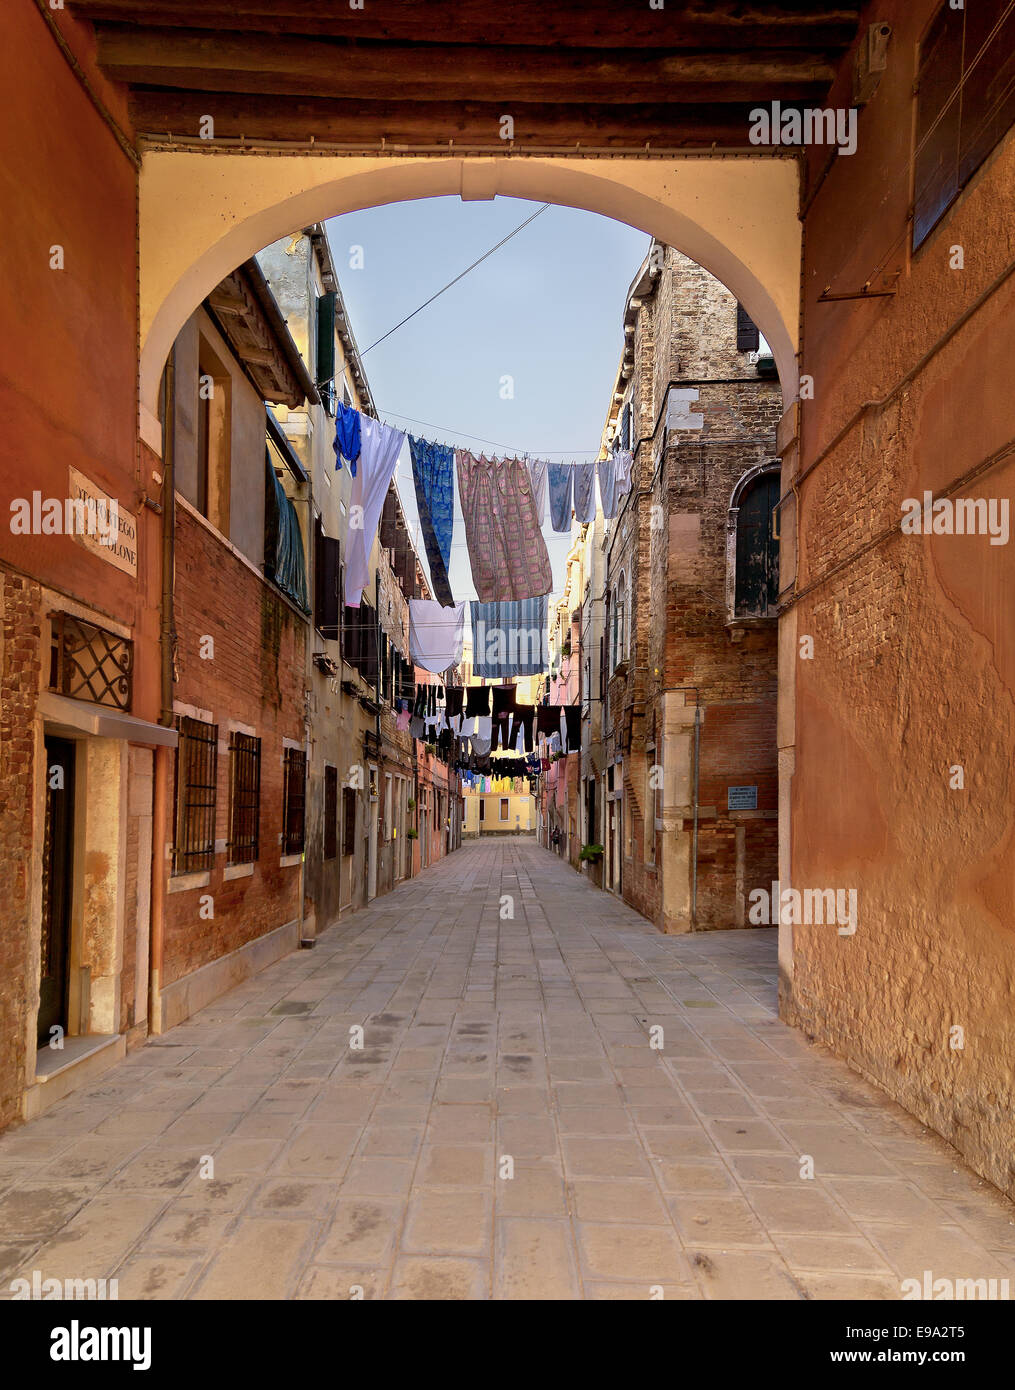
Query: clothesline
[(511, 451), (503, 503)]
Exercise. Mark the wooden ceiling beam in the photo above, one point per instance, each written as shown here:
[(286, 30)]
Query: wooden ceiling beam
[(158, 114), (565, 23), (282, 66)]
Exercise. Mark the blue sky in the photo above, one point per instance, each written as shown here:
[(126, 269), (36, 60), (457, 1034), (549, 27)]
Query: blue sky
[(545, 309)]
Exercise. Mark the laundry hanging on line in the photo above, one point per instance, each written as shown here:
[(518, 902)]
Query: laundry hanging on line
[(436, 634), (585, 493), (433, 480), (381, 446), (540, 493), (347, 442), (509, 639), (506, 547), (608, 487), (559, 482)]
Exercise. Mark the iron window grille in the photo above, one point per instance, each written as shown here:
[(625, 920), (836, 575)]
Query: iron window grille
[(244, 797), (88, 662), (294, 799), (196, 780)]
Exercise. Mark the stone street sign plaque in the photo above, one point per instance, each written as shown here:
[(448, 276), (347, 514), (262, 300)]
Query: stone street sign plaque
[(741, 798)]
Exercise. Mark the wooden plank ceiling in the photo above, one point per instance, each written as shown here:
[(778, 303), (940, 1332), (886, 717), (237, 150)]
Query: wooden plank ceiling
[(596, 73)]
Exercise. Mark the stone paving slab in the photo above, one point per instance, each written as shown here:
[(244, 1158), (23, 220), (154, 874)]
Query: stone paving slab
[(507, 1129)]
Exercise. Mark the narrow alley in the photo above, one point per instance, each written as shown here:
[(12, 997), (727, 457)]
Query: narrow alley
[(552, 1101)]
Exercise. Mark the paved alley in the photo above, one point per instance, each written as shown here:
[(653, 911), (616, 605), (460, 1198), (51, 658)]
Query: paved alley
[(506, 1131)]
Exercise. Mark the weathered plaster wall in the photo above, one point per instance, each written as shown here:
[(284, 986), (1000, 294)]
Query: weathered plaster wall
[(913, 671)]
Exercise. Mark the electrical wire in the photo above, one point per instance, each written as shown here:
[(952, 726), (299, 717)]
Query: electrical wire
[(468, 269)]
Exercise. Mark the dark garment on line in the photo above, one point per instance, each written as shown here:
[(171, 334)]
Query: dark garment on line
[(573, 721), (454, 700), (503, 701), (477, 700), (522, 719), (548, 720), (419, 708), (431, 701)]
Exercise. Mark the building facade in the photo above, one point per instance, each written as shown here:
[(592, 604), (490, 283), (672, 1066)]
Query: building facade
[(667, 628)]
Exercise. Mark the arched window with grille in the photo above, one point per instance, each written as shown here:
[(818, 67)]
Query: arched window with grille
[(752, 582)]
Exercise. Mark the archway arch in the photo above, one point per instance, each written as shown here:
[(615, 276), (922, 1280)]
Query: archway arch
[(201, 215)]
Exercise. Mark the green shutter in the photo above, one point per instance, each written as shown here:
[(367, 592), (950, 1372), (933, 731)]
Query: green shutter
[(326, 343)]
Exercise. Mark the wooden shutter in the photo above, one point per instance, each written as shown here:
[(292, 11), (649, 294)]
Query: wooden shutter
[(348, 820), (748, 337), (351, 636), (330, 812), (327, 601), (936, 164), (294, 796), (326, 346)]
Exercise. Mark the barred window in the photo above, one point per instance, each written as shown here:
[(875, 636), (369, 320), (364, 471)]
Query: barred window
[(330, 812), (195, 782), (294, 798), (244, 797)]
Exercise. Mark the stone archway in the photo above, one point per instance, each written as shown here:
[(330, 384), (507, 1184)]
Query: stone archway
[(201, 215)]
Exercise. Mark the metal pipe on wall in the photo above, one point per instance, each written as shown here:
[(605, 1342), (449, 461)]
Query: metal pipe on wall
[(167, 637)]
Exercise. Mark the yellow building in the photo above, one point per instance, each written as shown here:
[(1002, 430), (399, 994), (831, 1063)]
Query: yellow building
[(502, 810)]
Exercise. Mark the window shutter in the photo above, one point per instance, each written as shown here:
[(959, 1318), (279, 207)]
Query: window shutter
[(326, 347), (327, 602), (965, 103), (351, 636), (330, 812), (348, 820), (748, 338)]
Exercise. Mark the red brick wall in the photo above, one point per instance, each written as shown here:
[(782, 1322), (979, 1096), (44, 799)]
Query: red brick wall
[(255, 678)]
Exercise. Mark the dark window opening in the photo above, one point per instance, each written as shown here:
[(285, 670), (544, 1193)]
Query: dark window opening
[(757, 550)]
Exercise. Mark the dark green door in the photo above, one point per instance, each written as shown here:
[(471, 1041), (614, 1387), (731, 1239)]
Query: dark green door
[(57, 880)]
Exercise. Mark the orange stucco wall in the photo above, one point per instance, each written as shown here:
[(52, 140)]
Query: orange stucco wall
[(913, 671)]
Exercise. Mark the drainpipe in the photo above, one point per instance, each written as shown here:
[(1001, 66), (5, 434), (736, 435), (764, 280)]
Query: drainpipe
[(167, 638), (307, 942)]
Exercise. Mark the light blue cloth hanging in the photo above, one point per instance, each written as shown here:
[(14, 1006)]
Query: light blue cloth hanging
[(559, 475), (608, 487), (585, 492), (509, 639)]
